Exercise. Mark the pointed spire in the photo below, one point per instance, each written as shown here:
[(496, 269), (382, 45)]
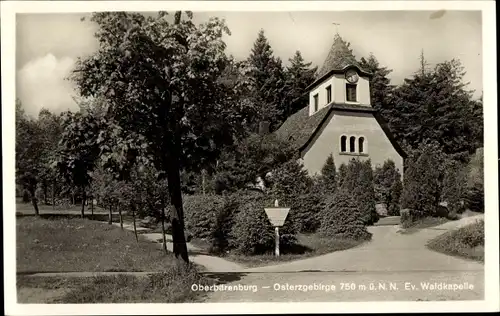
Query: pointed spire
[(338, 58)]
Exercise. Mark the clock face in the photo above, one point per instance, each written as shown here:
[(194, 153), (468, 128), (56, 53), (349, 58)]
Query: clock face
[(352, 76)]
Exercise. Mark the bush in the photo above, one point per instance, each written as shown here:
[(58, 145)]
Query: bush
[(253, 234), (474, 195), (341, 175), (253, 157), (467, 241), (395, 198), (305, 211), (290, 179), (342, 219), (421, 185), (474, 198), (292, 186), (328, 177), (453, 186), (359, 180), (203, 215), (472, 235), (388, 187), (407, 218)]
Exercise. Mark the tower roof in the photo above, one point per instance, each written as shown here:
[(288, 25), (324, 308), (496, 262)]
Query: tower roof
[(339, 57)]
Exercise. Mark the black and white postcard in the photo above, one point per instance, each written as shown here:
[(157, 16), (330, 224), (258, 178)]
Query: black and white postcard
[(230, 157)]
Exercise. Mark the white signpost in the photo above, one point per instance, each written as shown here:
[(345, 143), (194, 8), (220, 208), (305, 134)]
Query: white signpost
[(277, 216)]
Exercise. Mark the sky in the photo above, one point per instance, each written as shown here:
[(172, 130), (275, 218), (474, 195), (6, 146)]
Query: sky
[(47, 45)]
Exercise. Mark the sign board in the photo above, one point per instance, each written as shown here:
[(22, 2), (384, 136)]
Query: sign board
[(277, 215)]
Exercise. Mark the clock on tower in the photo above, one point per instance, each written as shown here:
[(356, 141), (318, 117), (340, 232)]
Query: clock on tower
[(351, 76)]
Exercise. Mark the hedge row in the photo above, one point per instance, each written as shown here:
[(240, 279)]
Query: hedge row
[(235, 222)]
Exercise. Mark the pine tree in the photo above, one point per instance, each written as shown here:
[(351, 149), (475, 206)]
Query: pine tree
[(342, 218), (388, 186), (436, 106), (365, 193), (299, 76), (423, 63), (329, 176), (341, 175), (421, 185), (358, 179), (268, 82), (453, 186), (380, 87), (289, 181)]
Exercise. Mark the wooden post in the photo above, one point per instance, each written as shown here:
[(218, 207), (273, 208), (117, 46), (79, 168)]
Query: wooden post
[(277, 235)]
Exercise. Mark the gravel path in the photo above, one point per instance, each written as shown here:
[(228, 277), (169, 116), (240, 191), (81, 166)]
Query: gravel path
[(391, 258)]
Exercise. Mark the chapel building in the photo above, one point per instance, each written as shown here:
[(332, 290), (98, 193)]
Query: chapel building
[(339, 118)]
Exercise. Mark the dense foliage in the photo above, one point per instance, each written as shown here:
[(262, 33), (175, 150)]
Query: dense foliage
[(341, 218), (421, 185), (474, 195), (252, 232), (388, 187), (252, 158), (328, 178), (453, 187), (359, 181)]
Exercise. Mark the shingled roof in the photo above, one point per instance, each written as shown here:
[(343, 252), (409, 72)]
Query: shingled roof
[(339, 57), (300, 128)]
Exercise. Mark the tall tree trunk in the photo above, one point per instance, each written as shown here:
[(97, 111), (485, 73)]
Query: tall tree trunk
[(170, 116), (84, 197), (110, 219), (163, 234), (120, 215), (177, 218), (45, 192), (133, 220), (92, 205), (34, 201), (73, 197), (53, 194)]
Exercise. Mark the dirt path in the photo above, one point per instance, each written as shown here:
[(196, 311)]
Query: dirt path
[(394, 259), (387, 251)]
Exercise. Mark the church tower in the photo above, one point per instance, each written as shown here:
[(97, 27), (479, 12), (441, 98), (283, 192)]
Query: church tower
[(340, 81)]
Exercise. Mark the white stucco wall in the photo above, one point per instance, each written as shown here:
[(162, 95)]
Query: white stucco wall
[(378, 147), (338, 82), (320, 90)]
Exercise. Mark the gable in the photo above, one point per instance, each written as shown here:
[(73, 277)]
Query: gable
[(301, 129)]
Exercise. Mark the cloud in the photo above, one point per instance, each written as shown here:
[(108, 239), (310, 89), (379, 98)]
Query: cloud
[(41, 83)]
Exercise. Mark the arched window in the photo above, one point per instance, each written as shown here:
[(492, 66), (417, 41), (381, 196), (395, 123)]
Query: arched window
[(343, 144), (361, 142), (352, 144)]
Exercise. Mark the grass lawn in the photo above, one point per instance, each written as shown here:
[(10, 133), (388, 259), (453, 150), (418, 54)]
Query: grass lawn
[(465, 242), (171, 286), (66, 245), (426, 222), (309, 245)]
